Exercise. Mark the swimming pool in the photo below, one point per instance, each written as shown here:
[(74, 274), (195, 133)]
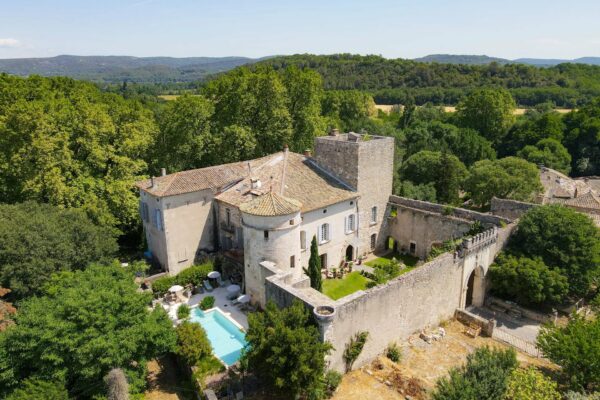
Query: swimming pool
[(226, 338)]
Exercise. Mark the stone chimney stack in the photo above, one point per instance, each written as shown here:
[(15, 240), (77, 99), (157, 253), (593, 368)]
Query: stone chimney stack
[(163, 172), (307, 153), (285, 148), (151, 181), (334, 132)]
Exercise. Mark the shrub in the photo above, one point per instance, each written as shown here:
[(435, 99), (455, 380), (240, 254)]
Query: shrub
[(194, 275), (394, 352), (582, 396), (332, 381), (354, 348), (207, 303), (32, 388), (484, 376), (162, 284), (192, 343), (530, 384), (183, 311), (207, 366)]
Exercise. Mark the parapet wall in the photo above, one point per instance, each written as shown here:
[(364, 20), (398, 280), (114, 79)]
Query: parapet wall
[(447, 210), (510, 209)]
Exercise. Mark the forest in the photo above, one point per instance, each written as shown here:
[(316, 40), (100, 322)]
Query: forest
[(398, 81)]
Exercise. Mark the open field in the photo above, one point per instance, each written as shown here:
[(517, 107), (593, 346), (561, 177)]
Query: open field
[(519, 111), (421, 366)]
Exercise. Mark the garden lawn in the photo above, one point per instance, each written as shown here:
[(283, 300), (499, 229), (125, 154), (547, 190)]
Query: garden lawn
[(338, 288), (406, 259)]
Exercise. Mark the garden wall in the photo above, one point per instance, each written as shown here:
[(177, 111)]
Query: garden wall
[(510, 209)]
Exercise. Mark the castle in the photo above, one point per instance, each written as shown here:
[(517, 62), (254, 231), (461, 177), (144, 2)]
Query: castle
[(266, 211), (269, 209)]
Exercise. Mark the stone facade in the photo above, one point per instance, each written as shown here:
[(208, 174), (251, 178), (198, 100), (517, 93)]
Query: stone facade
[(367, 166)]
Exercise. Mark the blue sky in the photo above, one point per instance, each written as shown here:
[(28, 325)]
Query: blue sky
[(254, 28)]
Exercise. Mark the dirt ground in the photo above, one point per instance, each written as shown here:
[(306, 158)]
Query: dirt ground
[(166, 383), (419, 369), (518, 111)]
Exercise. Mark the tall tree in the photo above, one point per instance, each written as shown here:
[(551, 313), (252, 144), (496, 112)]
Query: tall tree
[(564, 239), (549, 152), (507, 178), (285, 350), (314, 266), (85, 323), (184, 140), (489, 111), (38, 240), (583, 138), (305, 92)]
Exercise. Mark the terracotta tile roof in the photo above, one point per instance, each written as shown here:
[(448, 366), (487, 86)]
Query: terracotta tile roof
[(271, 204), (588, 200), (293, 176), (193, 180)]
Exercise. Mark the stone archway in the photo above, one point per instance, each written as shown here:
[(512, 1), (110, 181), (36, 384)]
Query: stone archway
[(475, 293), (349, 253)]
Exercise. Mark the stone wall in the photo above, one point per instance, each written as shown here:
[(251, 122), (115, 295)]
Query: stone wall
[(424, 228), (448, 211), (510, 209)]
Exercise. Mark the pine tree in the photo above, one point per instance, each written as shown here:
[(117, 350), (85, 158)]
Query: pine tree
[(314, 266)]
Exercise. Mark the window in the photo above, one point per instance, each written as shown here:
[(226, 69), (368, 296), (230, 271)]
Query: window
[(291, 222), (303, 240), (374, 215), (324, 233), (413, 248), (373, 241), (293, 262), (350, 223), (266, 235), (228, 216), (144, 211), (158, 220)]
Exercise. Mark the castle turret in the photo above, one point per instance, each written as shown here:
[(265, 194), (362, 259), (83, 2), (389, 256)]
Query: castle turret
[(365, 162), (271, 230)]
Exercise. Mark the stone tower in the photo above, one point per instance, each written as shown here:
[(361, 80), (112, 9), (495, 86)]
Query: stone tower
[(271, 230), (366, 163)]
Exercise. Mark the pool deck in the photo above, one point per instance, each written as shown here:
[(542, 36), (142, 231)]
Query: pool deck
[(226, 306)]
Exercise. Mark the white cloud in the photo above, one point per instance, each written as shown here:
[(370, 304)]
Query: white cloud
[(9, 42)]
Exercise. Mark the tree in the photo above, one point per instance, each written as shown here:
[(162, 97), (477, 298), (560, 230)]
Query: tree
[(583, 138), (425, 192), (484, 376), (66, 143), (185, 140), (530, 384), (563, 239), (489, 111), (192, 343), (446, 172), (235, 143), (314, 266), (32, 388), (84, 324), (37, 240), (507, 178), (305, 92), (548, 152), (576, 348), (528, 281), (285, 350), (118, 388)]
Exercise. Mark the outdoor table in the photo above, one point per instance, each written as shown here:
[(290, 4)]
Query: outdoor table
[(233, 288)]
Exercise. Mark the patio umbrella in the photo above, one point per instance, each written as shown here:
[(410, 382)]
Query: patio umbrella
[(175, 288), (214, 275)]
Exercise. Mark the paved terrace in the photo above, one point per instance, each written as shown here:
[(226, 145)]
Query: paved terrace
[(221, 301)]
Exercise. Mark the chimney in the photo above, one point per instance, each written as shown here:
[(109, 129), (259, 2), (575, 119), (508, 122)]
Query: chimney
[(576, 193), (307, 153), (334, 132), (285, 148), (151, 182), (163, 172)]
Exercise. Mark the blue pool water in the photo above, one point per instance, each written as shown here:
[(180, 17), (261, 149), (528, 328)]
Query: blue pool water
[(226, 339)]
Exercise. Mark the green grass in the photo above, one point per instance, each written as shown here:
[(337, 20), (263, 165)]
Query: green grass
[(406, 259), (338, 288)]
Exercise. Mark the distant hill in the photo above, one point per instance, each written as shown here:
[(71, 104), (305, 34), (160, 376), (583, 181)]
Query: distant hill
[(461, 59), (483, 60), (116, 69)]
